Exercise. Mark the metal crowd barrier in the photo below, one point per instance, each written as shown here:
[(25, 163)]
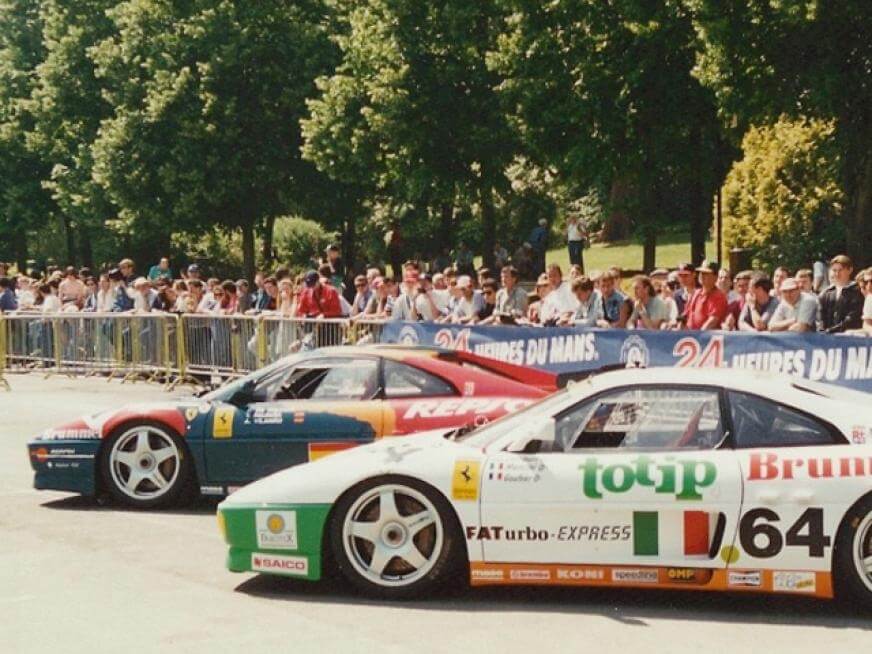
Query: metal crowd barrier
[(3, 382)]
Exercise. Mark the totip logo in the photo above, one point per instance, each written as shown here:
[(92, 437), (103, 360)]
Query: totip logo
[(408, 336), (634, 353)]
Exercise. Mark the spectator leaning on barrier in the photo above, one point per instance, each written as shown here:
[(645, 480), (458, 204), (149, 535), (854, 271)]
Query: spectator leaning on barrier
[(378, 307), (616, 309), (511, 300), (71, 289), (778, 276), (51, 303), (89, 304), (742, 284), (318, 300), (429, 303), (866, 280), (666, 294), (467, 304), (841, 304), (244, 298), (362, 294), (796, 312), (707, 307), (649, 311), (760, 306), (560, 304), (145, 297), (196, 293), (405, 306), (8, 302), (589, 311), (687, 279)]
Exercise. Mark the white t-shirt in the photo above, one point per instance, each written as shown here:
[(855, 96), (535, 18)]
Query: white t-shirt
[(557, 302), (867, 308), (573, 232), (51, 304)]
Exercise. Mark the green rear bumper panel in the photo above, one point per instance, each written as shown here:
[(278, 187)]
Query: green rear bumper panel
[(240, 527)]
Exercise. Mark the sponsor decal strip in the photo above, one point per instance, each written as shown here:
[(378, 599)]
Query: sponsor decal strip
[(818, 584)]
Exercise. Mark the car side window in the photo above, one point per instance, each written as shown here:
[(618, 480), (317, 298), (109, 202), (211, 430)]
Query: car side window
[(643, 418), (759, 422), (331, 379), (402, 380)]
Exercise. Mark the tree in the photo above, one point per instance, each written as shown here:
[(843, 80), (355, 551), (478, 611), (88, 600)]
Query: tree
[(208, 97), (605, 96), (24, 204), (800, 58), (413, 111), (68, 107), (783, 199)]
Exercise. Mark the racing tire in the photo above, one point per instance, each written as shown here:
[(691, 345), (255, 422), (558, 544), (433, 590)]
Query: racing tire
[(852, 558), (146, 466), (396, 538)]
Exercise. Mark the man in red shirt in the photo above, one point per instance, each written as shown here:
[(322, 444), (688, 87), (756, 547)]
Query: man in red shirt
[(318, 300), (707, 307)]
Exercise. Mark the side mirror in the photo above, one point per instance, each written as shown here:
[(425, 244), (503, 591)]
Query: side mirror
[(542, 432)]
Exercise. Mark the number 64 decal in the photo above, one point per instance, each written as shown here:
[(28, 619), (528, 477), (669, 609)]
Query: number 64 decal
[(808, 531)]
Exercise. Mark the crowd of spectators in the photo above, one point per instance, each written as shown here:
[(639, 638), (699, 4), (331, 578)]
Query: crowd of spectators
[(700, 297)]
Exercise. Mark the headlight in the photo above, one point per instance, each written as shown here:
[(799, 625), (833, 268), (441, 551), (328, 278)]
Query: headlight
[(222, 525)]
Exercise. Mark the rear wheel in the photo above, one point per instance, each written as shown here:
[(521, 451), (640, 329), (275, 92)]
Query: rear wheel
[(146, 466), (395, 538), (852, 565)]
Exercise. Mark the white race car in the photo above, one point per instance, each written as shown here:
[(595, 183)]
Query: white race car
[(707, 479)]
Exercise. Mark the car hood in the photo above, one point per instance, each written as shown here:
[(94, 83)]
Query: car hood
[(427, 455)]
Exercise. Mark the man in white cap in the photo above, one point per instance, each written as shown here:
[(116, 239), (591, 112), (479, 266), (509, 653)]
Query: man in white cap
[(797, 311)]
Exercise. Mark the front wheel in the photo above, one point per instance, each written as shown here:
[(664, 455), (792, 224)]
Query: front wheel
[(395, 538), (852, 565), (145, 466)]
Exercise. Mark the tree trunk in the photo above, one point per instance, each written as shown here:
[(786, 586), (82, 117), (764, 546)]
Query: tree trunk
[(859, 219), (700, 209), (617, 225), (488, 223), (248, 250), (349, 246), (71, 242), (267, 249), (21, 252), (86, 251), (446, 227), (649, 251)]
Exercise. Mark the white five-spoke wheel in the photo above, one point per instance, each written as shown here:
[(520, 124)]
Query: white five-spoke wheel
[(394, 537), (145, 465), (852, 558), (862, 551)]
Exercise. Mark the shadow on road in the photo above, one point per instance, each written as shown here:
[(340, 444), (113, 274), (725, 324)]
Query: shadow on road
[(626, 606), (201, 506)]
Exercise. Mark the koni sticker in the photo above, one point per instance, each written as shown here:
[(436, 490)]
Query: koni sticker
[(464, 481)]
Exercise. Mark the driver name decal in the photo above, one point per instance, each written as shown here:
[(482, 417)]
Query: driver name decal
[(684, 478)]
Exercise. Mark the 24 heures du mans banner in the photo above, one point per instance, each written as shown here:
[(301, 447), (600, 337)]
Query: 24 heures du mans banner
[(844, 360)]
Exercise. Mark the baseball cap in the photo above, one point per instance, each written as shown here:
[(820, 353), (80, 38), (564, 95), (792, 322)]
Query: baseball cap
[(464, 281), (708, 266), (685, 267), (193, 268), (311, 278), (789, 284)]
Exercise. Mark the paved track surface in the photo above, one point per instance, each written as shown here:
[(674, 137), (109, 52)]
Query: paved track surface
[(76, 576)]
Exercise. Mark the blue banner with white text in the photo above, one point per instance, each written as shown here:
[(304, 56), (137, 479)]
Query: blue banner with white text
[(843, 360)]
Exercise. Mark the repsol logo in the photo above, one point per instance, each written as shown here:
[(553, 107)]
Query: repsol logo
[(684, 478), (501, 533)]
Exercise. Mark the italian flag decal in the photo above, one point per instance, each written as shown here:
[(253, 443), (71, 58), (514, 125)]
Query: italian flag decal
[(655, 532)]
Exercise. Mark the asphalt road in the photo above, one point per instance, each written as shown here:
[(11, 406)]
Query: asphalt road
[(79, 577)]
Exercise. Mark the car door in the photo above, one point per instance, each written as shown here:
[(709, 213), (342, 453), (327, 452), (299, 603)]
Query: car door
[(417, 400), (297, 414), (634, 479), (800, 473)]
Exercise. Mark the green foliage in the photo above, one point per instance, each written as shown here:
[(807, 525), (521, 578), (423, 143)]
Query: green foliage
[(783, 199), (297, 240)]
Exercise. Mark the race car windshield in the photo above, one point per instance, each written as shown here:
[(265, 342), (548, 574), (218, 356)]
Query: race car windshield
[(223, 392), (484, 436)]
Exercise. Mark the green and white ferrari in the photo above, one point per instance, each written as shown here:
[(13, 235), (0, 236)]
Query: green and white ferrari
[(710, 479)]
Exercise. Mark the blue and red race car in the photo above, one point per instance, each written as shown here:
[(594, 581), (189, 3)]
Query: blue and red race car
[(298, 409)]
